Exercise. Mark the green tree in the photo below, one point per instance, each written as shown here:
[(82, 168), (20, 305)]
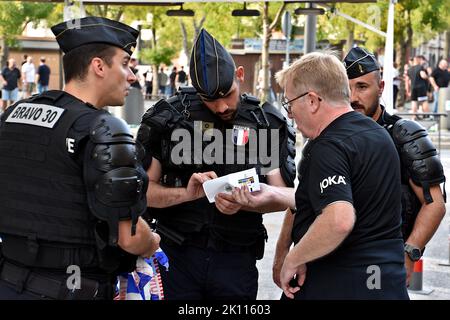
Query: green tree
[(14, 17), (217, 19), (113, 12), (269, 23), (335, 28), (161, 48), (214, 17), (155, 57), (417, 21)]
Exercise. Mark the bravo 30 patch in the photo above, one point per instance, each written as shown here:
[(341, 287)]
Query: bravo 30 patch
[(41, 115)]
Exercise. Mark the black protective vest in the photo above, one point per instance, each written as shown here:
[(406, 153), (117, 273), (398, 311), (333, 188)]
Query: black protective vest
[(182, 221), (42, 193), (410, 202)]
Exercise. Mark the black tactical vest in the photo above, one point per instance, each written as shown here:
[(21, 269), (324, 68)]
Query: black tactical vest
[(410, 202), (180, 223), (42, 194)]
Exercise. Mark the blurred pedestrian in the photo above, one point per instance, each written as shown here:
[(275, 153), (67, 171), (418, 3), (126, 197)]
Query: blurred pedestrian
[(172, 78), (181, 79), (43, 76), (10, 84), (162, 81), (396, 84), (440, 78), (133, 66), (25, 58), (148, 76), (418, 84), (28, 77)]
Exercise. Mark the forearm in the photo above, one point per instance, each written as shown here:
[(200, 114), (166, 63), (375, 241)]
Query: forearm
[(273, 179), (159, 196), (143, 243), (280, 199), (285, 237), (433, 82), (336, 226), (429, 216), (423, 75), (426, 224)]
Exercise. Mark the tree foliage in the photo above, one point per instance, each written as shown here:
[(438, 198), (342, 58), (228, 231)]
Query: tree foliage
[(157, 56), (16, 15)]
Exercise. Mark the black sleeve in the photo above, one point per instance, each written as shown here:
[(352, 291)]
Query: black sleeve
[(329, 176), (434, 73), (151, 140)]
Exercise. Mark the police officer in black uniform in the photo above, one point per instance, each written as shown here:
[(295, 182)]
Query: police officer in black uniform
[(72, 188), (212, 249), (423, 204)]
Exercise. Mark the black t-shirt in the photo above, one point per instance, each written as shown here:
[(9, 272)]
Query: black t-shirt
[(417, 82), (353, 160), (11, 77), (442, 77), (44, 74), (181, 76), (172, 77)]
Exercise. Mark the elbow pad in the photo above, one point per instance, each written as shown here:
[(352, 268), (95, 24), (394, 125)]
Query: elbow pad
[(115, 180)]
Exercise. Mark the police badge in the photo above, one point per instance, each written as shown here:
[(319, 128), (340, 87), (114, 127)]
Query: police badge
[(240, 135)]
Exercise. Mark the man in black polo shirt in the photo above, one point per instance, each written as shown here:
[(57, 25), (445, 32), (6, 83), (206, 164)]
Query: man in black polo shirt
[(43, 73), (417, 83), (181, 78), (440, 77), (9, 79), (346, 228)]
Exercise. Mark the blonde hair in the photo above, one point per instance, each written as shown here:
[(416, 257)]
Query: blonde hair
[(321, 72)]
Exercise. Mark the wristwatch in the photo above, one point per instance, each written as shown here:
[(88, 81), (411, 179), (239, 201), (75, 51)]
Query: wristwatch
[(413, 252)]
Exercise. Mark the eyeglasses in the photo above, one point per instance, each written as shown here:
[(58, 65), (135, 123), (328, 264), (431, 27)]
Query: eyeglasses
[(287, 104)]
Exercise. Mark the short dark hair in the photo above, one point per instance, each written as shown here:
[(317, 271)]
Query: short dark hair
[(421, 57), (76, 61)]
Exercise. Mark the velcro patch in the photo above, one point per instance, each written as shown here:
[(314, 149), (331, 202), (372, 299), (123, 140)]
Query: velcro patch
[(41, 115)]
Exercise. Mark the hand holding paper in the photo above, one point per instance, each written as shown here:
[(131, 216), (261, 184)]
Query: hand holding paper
[(225, 184), (194, 188)]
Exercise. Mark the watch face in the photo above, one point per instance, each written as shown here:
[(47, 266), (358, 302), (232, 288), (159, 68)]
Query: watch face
[(415, 254)]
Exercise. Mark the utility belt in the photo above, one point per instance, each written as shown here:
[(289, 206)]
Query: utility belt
[(26, 280), (204, 240), (41, 254)]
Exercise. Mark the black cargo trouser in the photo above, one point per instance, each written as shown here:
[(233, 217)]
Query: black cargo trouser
[(207, 274)]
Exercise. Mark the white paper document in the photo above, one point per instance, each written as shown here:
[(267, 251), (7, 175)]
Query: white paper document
[(226, 183)]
